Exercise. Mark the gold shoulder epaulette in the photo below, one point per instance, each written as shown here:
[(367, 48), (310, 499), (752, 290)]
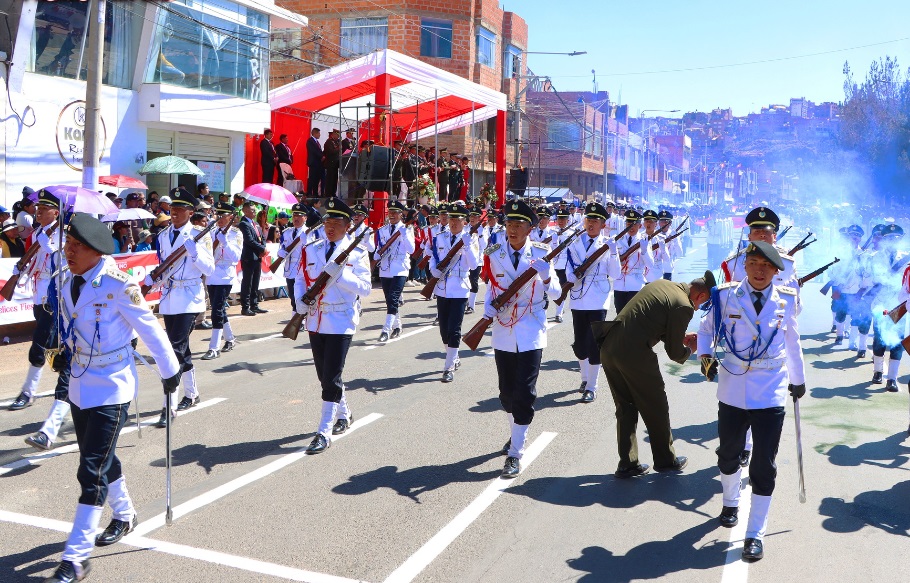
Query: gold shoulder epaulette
[(117, 274), (786, 290), (540, 245), (728, 285), (491, 249)]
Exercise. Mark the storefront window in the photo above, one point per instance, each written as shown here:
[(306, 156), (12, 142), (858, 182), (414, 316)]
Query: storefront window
[(60, 37), (211, 45)]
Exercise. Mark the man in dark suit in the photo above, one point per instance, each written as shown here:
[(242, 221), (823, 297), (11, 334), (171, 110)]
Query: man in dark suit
[(332, 156), (250, 261), (284, 156), (314, 163), (348, 164), (268, 156)]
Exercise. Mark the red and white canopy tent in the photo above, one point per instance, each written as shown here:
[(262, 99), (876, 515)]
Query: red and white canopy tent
[(422, 101)]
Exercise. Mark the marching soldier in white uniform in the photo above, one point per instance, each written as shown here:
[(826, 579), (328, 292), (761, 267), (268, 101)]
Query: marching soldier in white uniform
[(615, 221), (333, 316), (182, 296), (292, 258), (561, 260), (851, 277), (590, 295), (637, 266), (493, 230), (669, 253), (394, 266), (101, 311), (763, 224), (38, 273), (474, 213), (519, 328), (885, 265), (226, 255), (654, 236), (756, 321), (454, 283), (360, 213), (542, 231)]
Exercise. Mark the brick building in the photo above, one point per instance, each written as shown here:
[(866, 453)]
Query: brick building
[(474, 39)]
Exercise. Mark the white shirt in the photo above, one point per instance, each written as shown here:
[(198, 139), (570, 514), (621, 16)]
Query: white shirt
[(636, 268), (337, 309), (292, 258), (397, 258), (226, 256)]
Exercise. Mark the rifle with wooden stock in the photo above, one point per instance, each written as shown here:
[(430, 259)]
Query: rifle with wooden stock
[(784, 232), (473, 337), (583, 268), (628, 252), (159, 272), (810, 276), (802, 244), (427, 290), (301, 237), (223, 231), (292, 329), (385, 248), (10, 286), (559, 234)]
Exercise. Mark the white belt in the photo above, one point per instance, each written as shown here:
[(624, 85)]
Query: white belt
[(221, 262), (119, 355), (761, 363), (183, 282), (598, 277), (634, 270), (394, 255), (461, 273), (329, 308)]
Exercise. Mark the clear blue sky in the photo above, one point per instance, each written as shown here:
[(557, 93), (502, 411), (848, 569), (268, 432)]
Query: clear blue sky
[(651, 35)]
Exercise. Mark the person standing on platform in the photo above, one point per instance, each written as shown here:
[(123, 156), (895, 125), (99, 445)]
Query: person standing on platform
[(284, 155), (456, 177), (226, 255), (332, 155), (251, 261), (333, 317), (394, 266), (442, 174), (268, 157), (314, 160), (635, 268)]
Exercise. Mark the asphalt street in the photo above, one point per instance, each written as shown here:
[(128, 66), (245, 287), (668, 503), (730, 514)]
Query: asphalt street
[(412, 492)]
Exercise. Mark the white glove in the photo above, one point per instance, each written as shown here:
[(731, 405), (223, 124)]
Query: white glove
[(542, 267), (221, 237), (467, 238), (611, 244), (489, 311), (332, 268), (43, 239), (148, 280), (15, 270), (435, 273), (661, 246), (190, 245), (644, 245), (376, 256)]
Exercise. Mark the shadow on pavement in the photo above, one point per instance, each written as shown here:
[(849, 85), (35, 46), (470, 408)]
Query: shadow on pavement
[(860, 391), (548, 401), (376, 386), (885, 510), (849, 362), (890, 453), (695, 434), (260, 368), (654, 559), (413, 482), (208, 457), (39, 560)]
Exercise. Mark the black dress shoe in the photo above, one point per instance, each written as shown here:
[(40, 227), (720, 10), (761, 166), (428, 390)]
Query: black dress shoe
[(259, 310), (342, 425), (877, 377), (744, 458), (448, 376), (558, 319), (67, 572), (23, 401), (679, 464), (435, 322), (318, 445), (39, 441), (162, 421), (588, 396), (729, 516), (860, 354), (625, 473), (752, 549), (247, 312), (833, 328), (384, 336), (508, 446), (186, 403), (115, 531), (891, 386), (838, 339), (228, 345), (511, 468), (583, 387), (396, 333), (469, 310)]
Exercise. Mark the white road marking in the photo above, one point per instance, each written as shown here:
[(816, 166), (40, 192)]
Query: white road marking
[(402, 337), (223, 490), (736, 570), (417, 562), (235, 561), (269, 337), (36, 458), (5, 404)]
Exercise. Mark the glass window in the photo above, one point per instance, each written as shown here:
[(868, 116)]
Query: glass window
[(556, 180), (60, 34), (360, 36), (435, 38), (512, 66), (486, 45), (285, 44), (211, 45), (563, 135)]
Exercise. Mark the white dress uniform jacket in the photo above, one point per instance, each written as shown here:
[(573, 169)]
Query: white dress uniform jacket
[(539, 235), (182, 291), (494, 235), (636, 268), (592, 292), (615, 225), (292, 259), (521, 325), (669, 253), (337, 309), (226, 256), (762, 383), (397, 258), (561, 260), (39, 270), (100, 326), (367, 242), (454, 281)]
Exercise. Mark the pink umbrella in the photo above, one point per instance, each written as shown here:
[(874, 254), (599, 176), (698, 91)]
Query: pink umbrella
[(121, 181), (81, 200), (271, 195)]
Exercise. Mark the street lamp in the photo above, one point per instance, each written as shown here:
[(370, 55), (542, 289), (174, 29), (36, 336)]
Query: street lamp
[(641, 121)]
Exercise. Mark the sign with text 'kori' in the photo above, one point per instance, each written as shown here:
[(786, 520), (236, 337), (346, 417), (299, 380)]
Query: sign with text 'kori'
[(71, 134)]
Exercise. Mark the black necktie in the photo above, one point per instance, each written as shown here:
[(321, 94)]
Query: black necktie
[(515, 257), (758, 302), (76, 288), (590, 242), (630, 240), (174, 233), (453, 240), (329, 251)]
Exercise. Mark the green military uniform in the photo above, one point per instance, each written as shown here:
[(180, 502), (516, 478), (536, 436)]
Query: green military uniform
[(661, 311)]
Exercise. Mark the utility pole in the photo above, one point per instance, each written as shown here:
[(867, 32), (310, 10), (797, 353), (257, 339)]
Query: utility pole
[(93, 147)]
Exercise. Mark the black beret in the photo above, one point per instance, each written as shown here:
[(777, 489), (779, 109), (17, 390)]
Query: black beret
[(767, 251), (335, 207), (91, 232)]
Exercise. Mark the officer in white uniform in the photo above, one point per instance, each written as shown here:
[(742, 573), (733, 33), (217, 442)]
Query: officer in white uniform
[(333, 316), (668, 253), (560, 261), (474, 214), (653, 235), (615, 220), (763, 224), (360, 213), (637, 266), (182, 294), (290, 251), (101, 311), (542, 231), (226, 250), (520, 327), (590, 295), (454, 284), (394, 266), (38, 274), (756, 321), (886, 264), (492, 232)]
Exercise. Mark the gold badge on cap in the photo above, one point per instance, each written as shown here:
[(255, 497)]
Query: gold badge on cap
[(331, 204), (761, 214), (515, 206)]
